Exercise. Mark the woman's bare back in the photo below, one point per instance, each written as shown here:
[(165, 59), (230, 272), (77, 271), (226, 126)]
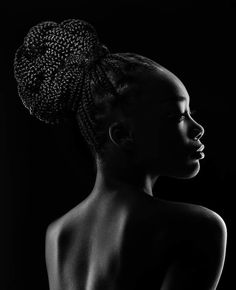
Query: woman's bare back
[(117, 245)]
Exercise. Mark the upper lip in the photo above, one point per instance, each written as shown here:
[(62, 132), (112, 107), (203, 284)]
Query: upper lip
[(196, 147), (200, 148)]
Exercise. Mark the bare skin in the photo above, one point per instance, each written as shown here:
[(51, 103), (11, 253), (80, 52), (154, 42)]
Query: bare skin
[(121, 237)]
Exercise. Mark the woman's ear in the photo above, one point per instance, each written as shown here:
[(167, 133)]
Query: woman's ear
[(121, 135)]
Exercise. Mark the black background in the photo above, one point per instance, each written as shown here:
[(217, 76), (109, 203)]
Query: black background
[(44, 174)]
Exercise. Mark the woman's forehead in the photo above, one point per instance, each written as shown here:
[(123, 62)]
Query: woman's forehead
[(163, 87)]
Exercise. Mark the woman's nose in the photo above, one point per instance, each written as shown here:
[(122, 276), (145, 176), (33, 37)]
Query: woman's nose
[(197, 132)]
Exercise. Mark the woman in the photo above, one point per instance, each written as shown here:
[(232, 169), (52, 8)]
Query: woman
[(135, 116)]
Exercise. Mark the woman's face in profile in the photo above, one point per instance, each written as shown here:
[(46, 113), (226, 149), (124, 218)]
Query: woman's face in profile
[(167, 136)]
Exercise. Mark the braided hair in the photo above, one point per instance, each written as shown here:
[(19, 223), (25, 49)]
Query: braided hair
[(63, 71)]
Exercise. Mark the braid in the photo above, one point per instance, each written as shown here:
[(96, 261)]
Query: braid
[(85, 117), (63, 71), (46, 66)]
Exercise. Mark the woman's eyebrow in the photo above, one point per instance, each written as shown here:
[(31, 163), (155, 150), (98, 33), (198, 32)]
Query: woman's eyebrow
[(181, 98), (177, 98)]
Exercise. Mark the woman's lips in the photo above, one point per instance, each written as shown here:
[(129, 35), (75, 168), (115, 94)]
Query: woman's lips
[(201, 148), (198, 154)]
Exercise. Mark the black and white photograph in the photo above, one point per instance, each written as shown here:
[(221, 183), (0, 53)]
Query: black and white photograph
[(117, 143)]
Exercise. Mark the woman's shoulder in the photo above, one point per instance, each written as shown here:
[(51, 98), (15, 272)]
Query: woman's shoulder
[(188, 219), (58, 228), (64, 222), (183, 211), (52, 232), (198, 238)]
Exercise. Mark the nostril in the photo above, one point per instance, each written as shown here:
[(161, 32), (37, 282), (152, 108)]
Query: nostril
[(198, 134)]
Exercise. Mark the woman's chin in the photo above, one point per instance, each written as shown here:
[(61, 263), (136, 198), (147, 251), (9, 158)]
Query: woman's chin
[(188, 171), (192, 170)]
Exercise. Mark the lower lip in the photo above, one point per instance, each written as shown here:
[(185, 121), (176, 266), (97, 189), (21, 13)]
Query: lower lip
[(198, 155)]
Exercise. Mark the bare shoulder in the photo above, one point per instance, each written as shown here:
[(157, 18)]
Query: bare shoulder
[(57, 239), (199, 237), (51, 248), (59, 225), (51, 237), (188, 214), (52, 229)]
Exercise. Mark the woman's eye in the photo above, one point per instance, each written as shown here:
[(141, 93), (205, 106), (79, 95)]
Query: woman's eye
[(181, 116), (178, 116)]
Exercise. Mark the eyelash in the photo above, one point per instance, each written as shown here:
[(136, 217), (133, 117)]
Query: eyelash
[(183, 116)]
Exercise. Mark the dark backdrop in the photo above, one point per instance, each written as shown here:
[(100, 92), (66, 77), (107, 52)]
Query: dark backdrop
[(43, 175)]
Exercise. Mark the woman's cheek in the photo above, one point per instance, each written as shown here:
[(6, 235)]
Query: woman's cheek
[(183, 130)]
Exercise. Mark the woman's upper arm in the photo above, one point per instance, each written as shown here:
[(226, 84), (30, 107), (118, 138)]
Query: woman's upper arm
[(199, 262)]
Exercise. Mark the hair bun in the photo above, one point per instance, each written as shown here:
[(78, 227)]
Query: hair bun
[(48, 64)]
